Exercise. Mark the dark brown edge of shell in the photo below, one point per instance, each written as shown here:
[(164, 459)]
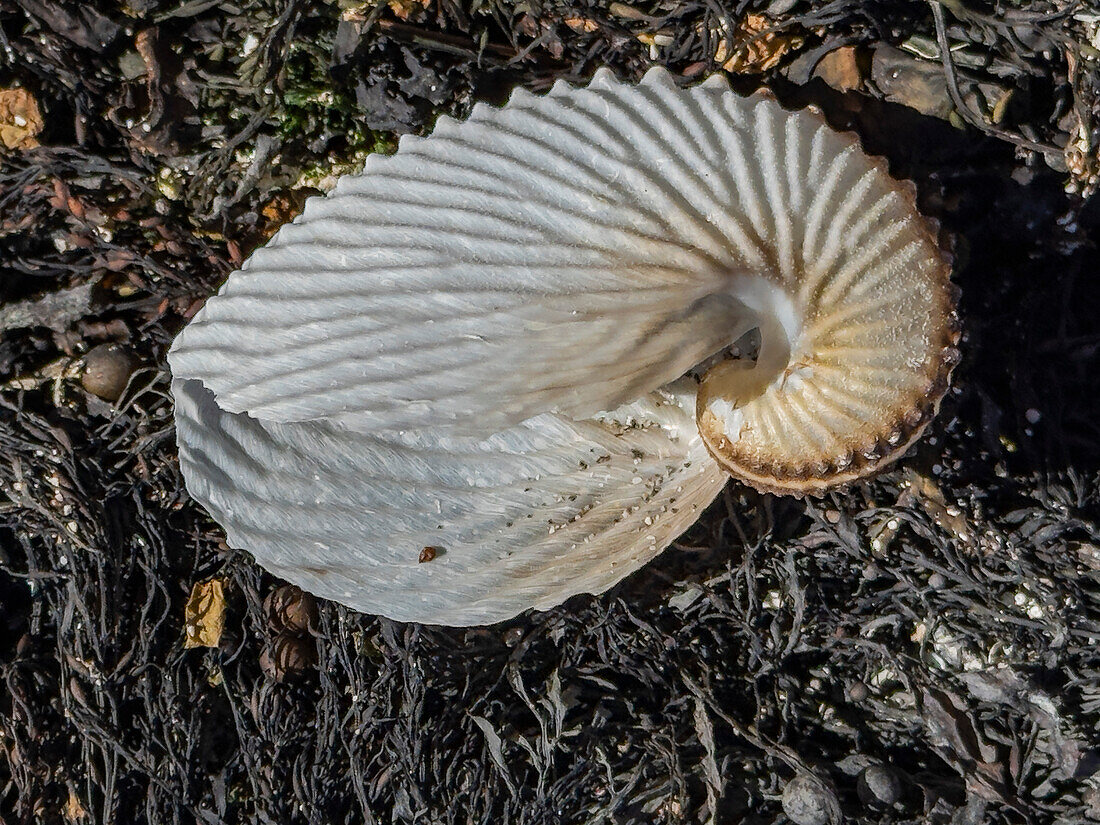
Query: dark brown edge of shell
[(911, 423)]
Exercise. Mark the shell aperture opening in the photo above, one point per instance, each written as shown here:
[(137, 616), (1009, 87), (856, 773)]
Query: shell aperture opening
[(510, 341)]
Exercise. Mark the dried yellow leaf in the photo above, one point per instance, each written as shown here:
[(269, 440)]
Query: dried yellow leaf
[(840, 69), (74, 810), (20, 119), (748, 50), (581, 24), (404, 9), (204, 616)]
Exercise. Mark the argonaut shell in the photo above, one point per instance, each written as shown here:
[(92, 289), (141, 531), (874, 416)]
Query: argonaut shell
[(509, 343)]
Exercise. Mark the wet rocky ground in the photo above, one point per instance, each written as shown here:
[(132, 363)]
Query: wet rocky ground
[(919, 648)]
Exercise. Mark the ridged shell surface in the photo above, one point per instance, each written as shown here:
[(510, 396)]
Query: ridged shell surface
[(477, 345), (524, 518)]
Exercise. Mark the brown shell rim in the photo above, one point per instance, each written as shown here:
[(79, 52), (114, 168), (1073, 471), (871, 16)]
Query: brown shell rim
[(910, 423)]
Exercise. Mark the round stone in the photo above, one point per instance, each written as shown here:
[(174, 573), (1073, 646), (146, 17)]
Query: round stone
[(107, 370), (879, 786), (857, 692), (807, 801)]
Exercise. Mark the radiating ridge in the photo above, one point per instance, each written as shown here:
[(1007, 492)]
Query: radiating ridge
[(509, 342)]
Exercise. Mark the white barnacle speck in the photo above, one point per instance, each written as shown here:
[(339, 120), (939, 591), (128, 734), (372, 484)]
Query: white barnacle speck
[(399, 369), (1032, 606), (732, 418)]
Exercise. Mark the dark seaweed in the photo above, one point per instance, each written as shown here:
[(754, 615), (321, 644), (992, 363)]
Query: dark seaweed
[(942, 619)]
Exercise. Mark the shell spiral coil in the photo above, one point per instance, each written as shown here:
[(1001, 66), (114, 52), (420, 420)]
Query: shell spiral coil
[(510, 342)]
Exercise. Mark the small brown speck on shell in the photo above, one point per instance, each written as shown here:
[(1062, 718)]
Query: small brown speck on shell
[(428, 554)]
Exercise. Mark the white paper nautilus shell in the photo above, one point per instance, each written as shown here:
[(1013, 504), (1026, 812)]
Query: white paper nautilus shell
[(509, 342)]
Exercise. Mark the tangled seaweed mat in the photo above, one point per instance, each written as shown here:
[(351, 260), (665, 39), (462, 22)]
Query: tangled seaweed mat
[(941, 620)]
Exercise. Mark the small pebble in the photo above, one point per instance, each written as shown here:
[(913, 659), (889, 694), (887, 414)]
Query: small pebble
[(107, 370), (807, 801), (936, 581), (857, 692), (878, 786)]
